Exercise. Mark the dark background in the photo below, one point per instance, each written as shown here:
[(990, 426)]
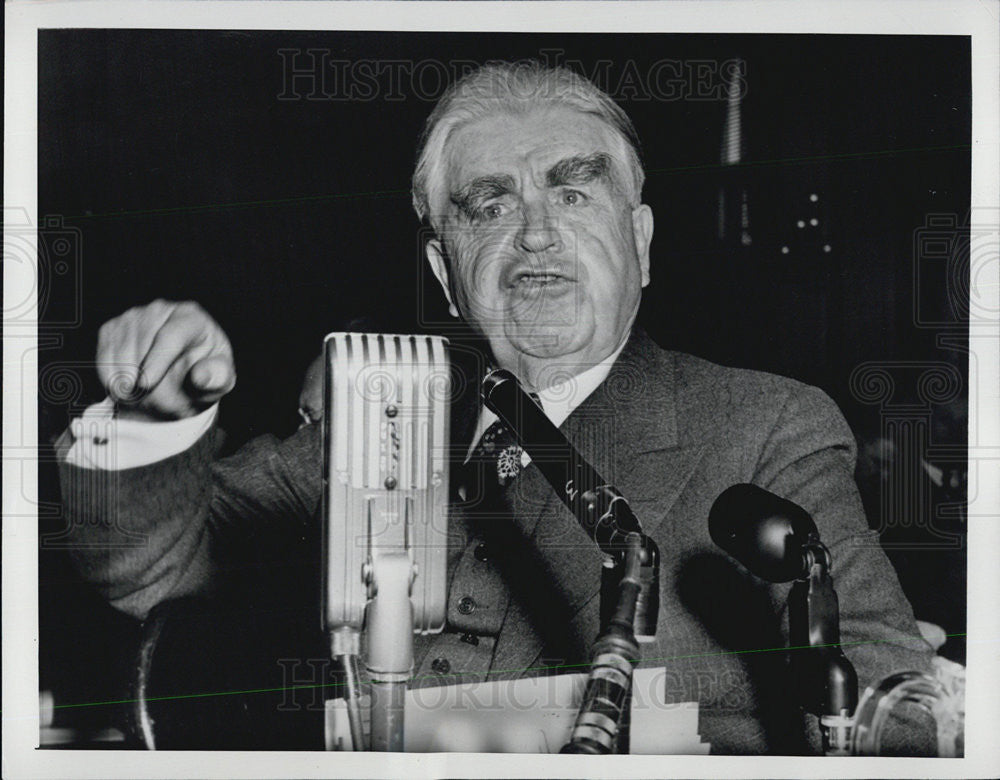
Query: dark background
[(169, 162)]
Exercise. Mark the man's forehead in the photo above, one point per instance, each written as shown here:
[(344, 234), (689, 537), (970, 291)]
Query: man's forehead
[(505, 143)]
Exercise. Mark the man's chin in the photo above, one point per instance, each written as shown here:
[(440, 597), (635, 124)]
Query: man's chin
[(541, 343)]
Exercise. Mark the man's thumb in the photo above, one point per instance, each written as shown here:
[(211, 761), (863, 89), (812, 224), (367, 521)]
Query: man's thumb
[(211, 375)]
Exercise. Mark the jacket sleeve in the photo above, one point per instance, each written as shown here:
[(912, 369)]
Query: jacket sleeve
[(809, 458), (143, 535)]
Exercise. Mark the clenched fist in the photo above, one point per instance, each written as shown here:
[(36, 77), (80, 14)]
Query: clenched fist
[(164, 361)]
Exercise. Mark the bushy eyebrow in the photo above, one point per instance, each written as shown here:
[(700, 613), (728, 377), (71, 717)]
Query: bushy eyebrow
[(469, 196), (579, 169), (570, 171)]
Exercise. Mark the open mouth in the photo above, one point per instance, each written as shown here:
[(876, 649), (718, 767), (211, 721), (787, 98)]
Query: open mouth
[(538, 278)]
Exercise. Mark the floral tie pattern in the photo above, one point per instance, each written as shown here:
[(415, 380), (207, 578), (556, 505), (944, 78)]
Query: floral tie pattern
[(499, 445)]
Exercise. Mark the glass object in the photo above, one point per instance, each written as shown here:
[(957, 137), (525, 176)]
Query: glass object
[(913, 714)]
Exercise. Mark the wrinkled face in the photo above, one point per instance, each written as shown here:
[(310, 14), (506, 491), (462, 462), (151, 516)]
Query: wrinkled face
[(539, 249)]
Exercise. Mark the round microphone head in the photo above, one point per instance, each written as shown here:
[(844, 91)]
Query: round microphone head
[(762, 531), (496, 378)]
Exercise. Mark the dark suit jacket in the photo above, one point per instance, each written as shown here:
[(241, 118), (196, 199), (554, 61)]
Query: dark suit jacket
[(671, 431)]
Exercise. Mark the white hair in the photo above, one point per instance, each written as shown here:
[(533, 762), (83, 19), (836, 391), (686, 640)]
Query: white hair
[(515, 88)]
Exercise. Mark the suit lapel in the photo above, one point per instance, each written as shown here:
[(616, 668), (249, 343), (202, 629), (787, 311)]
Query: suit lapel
[(628, 430)]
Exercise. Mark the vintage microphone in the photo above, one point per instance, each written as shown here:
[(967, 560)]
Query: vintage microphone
[(602, 511), (630, 584), (385, 469), (778, 541)]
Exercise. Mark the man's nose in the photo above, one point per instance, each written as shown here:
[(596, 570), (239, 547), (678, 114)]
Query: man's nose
[(539, 231)]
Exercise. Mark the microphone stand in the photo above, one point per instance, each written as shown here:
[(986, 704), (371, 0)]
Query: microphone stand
[(602, 724), (827, 679), (778, 541), (630, 579)]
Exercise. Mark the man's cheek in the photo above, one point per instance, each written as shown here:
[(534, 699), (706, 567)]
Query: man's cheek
[(480, 289), (605, 247), (588, 236), (472, 245), (490, 253)]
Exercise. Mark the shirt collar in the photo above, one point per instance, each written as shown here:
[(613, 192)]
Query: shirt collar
[(559, 400)]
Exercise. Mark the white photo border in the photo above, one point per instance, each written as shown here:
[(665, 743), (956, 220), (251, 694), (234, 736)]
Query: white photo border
[(979, 20)]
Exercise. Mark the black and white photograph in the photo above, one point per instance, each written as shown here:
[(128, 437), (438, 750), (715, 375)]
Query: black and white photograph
[(441, 386)]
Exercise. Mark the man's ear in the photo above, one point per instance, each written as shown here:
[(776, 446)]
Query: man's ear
[(439, 265), (642, 232)]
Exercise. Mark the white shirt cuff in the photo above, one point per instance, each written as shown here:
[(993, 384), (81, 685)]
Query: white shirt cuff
[(103, 441)]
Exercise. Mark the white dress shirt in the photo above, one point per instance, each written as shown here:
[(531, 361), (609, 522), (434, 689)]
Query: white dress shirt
[(558, 400), (103, 441)]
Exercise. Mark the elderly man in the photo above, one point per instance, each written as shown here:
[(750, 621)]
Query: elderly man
[(531, 180)]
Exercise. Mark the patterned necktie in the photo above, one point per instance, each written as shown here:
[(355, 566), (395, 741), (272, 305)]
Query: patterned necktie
[(498, 448)]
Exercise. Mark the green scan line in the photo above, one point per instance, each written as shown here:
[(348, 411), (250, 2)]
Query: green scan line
[(405, 192), (778, 161), (243, 204), (458, 674)]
